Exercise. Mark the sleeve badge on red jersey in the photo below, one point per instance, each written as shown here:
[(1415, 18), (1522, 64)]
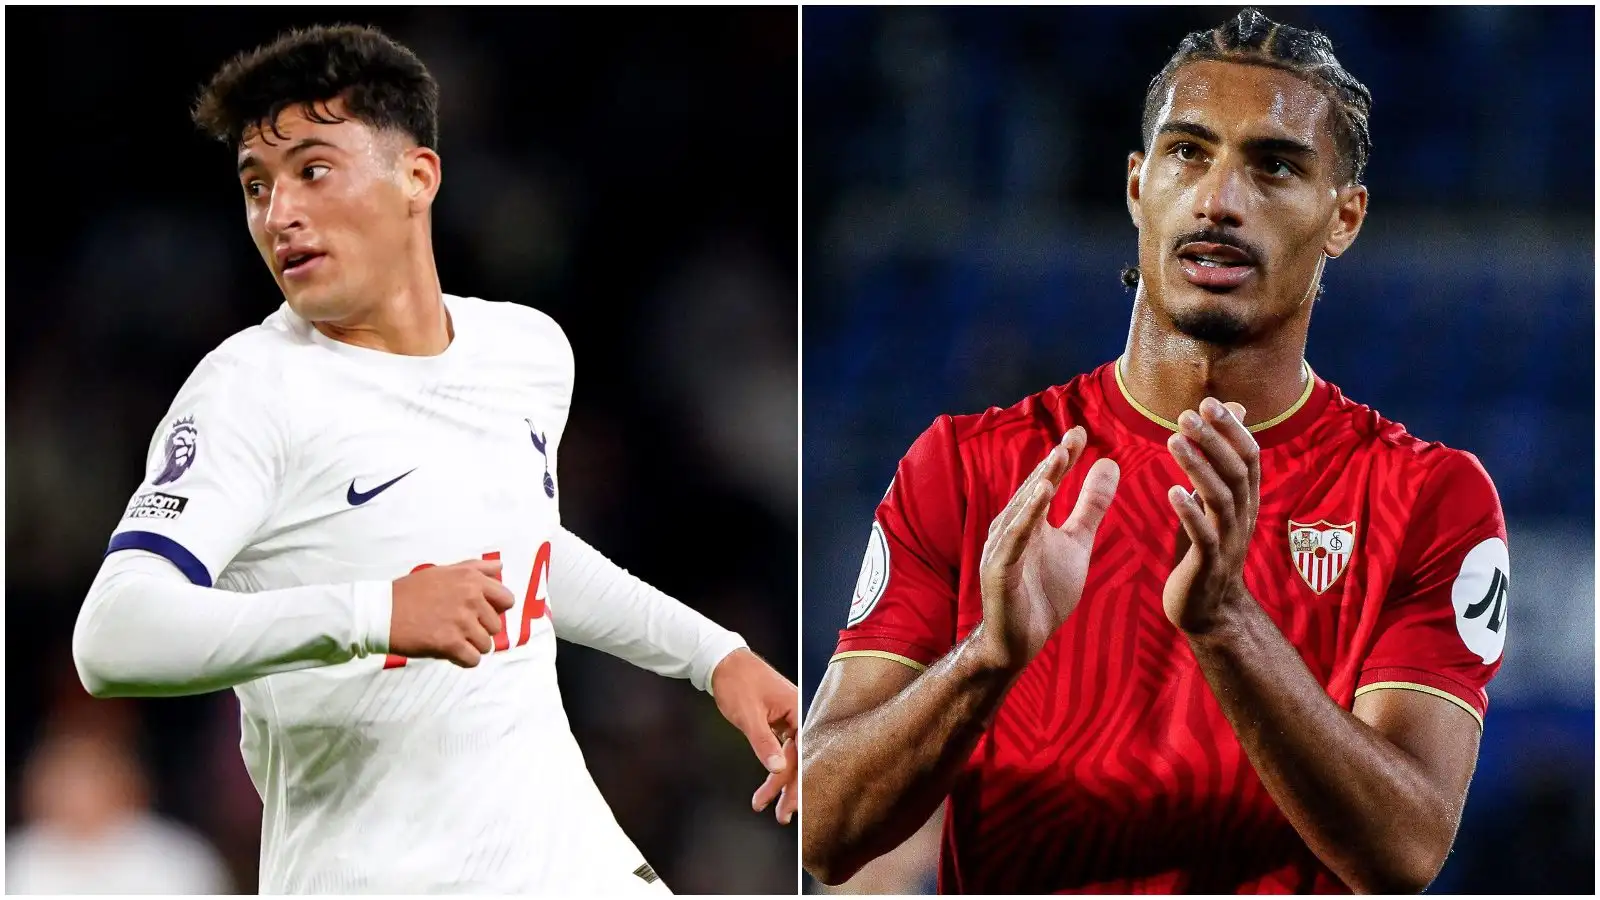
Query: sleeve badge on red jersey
[(1479, 596), (1321, 551), (874, 577)]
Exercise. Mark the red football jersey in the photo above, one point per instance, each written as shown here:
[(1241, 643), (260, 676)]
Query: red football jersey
[(1110, 767)]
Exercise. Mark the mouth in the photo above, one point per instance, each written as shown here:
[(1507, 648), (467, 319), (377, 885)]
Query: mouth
[(1215, 266), (298, 265)]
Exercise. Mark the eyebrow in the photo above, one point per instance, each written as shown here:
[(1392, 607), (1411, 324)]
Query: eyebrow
[(1284, 146), (300, 145)]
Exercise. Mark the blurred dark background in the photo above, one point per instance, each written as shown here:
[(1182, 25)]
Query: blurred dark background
[(630, 172), (964, 226)]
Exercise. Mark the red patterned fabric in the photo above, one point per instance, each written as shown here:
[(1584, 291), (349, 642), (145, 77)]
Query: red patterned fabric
[(1110, 766)]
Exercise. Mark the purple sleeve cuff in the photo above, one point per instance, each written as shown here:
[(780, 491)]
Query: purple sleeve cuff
[(165, 547)]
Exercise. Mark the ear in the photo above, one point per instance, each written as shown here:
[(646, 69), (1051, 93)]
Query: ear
[(1135, 167), (1348, 217), (422, 172)]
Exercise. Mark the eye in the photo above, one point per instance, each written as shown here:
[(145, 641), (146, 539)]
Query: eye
[(315, 171), (1278, 168), (253, 188), (1186, 152)]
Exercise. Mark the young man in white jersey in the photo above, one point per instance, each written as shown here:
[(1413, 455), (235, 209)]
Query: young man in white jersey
[(351, 518)]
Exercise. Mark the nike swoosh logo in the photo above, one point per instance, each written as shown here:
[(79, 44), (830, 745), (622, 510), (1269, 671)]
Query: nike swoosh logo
[(357, 498)]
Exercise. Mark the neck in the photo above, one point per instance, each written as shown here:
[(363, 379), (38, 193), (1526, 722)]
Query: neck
[(1169, 372), (408, 319)]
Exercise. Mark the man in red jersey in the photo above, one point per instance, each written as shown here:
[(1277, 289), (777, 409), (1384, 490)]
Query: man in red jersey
[(1194, 621)]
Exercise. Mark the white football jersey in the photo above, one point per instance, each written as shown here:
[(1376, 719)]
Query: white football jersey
[(291, 459)]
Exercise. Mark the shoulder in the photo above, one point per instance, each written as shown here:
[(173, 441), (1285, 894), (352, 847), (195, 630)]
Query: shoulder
[(194, 866), (965, 451), (249, 360), (1028, 427), (22, 843), (173, 838), (1428, 471), (514, 324), (242, 387)]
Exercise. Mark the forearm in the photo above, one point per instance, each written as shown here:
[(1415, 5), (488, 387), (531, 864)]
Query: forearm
[(1363, 805), (145, 631), (596, 603), (872, 779)]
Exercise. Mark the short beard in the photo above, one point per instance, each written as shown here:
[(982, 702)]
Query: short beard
[(1213, 326)]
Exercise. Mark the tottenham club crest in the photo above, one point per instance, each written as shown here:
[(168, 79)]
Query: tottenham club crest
[(539, 445), (183, 441), (1321, 551)]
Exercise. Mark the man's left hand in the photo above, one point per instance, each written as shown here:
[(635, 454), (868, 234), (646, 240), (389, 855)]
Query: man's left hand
[(766, 707), (1223, 463)]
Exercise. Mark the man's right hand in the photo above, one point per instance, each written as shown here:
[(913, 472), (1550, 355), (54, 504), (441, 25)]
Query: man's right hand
[(884, 744), (1032, 574), (449, 612)]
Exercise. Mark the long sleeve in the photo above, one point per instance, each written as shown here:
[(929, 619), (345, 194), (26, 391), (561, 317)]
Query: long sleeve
[(596, 603), (146, 631)]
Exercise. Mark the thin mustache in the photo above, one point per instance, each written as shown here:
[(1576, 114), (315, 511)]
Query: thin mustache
[(1219, 237)]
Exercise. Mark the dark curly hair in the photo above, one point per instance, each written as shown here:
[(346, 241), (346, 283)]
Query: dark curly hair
[(1254, 39), (381, 83)]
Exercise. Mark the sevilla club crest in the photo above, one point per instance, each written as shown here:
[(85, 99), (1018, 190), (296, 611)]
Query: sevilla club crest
[(1321, 551)]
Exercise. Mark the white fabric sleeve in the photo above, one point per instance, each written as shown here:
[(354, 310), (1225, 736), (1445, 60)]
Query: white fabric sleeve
[(214, 472), (145, 631), (596, 603)]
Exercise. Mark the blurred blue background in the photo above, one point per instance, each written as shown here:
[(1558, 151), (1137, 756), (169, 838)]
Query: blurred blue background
[(964, 226)]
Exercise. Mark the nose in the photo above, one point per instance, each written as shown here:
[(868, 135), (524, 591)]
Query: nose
[(1222, 194), (283, 209)]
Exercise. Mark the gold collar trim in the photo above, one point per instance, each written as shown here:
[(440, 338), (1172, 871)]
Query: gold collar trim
[(1311, 383)]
